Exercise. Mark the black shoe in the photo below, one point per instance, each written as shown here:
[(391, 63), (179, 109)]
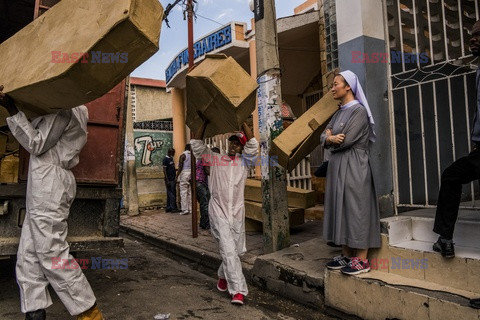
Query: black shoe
[(475, 303), (445, 247), (168, 210), (176, 210), (338, 262), (36, 315)]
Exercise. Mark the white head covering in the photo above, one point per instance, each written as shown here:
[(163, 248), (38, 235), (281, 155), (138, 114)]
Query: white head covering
[(352, 80)]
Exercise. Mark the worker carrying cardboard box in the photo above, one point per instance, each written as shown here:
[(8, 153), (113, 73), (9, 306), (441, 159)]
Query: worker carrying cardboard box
[(54, 142), (226, 209)]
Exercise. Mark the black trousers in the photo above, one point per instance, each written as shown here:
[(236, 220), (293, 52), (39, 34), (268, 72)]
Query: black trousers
[(464, 170), (203, 197), (171, 187)]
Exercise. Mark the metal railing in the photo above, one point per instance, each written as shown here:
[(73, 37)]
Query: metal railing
[(300, 177), (431, 93)]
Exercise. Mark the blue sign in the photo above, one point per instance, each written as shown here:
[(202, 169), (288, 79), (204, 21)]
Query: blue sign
[(203, 46)]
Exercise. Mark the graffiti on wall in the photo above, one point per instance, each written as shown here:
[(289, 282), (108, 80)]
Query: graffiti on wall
[(151, 147)]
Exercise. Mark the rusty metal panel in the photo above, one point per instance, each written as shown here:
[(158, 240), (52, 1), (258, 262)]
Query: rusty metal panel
[(101, 158)]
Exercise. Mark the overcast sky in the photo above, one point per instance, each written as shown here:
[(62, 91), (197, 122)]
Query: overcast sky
[(211, 14)]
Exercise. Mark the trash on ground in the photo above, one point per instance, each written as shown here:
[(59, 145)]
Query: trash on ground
[(162, 316)]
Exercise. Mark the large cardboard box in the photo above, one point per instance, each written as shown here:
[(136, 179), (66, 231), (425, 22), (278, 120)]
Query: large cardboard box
[(77, 51), (303, 135), (296, 197), (222, 91), (253, 211)]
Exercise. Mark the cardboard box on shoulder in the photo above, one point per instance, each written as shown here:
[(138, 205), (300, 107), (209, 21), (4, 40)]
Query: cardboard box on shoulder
[(77, 51), (222, 91), (303, 135)]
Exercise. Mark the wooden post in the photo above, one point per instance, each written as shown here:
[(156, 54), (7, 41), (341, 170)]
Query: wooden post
[(193, 165)]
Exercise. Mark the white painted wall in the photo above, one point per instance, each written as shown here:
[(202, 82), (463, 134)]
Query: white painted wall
[(357, 18)]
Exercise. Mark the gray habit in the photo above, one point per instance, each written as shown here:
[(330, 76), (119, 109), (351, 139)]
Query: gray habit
[(351, 209)]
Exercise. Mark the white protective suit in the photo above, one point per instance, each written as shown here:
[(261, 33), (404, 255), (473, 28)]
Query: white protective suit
[(226, 208), (54, 142)]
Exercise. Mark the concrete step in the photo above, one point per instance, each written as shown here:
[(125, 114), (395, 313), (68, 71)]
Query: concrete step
[(295, 272), (380, 295), (407, 251), (419, 227), (408, 279), (421, 263)]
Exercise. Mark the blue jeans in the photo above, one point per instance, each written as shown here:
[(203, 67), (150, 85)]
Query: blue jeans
[(203, 197)]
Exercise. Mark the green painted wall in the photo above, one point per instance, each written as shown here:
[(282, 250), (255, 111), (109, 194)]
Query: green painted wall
[(151, 147)]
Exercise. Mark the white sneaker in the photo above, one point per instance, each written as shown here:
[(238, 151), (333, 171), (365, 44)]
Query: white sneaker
[(184, 212)]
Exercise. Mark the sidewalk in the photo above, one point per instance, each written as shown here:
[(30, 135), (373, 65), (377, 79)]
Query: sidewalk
[(296, 272)]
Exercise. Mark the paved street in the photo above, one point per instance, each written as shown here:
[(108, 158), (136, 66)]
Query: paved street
[(155, 284)]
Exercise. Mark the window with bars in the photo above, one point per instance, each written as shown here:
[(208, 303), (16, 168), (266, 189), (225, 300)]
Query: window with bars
[(432, 98), (433, 31), (312, 98), (160, 125), (331, 34)]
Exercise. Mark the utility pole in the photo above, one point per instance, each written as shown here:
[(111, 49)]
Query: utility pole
[(276, 232), (132, 191), (193, 163)]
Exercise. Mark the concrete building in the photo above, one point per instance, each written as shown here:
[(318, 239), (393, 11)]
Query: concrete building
[(152, 133)]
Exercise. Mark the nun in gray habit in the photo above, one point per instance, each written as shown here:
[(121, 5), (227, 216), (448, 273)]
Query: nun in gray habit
[(351, 210)]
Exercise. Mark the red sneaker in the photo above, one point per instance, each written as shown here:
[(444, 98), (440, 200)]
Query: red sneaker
[(222, 285), (238, 299)]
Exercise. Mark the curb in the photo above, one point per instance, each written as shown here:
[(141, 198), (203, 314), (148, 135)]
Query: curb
[(185, 251)]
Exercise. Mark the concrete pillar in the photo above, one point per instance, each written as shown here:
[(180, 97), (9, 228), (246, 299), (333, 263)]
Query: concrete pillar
[(276, 228), (179, 127), (358, 32)]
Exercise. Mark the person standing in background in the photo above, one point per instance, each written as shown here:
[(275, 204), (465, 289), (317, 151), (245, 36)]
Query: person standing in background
[(184, 177), (170, 181), (203, 194)]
